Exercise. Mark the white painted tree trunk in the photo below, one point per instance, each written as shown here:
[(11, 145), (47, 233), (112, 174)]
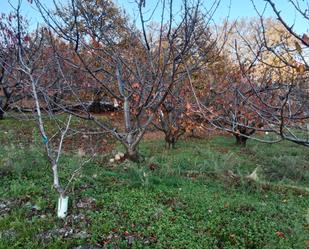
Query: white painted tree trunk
[(63, 202)]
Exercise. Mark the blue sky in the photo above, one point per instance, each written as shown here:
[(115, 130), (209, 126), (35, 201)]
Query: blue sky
[(239, 9)]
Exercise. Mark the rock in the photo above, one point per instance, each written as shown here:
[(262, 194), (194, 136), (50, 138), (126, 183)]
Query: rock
[(3, 206), (253, 176), (117, 157)]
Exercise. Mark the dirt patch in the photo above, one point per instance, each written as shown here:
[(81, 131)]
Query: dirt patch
[(154, 135)]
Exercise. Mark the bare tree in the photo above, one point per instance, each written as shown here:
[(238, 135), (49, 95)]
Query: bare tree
[(291, 114), (170, 120), (10, 79), (138, 67), (260, 89), (37, 67)]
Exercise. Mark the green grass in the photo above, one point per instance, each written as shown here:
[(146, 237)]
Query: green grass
[(172, 199), (284, 163)]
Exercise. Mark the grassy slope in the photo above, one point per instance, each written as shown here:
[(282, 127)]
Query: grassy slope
[(161, 208)]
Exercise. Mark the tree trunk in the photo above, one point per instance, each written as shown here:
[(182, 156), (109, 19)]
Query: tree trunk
[(241, 140), (1, 110), (95, 106), (132, 154), (62, 208), (170, 140)]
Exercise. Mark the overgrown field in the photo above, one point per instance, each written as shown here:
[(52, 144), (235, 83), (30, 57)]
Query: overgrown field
[(196, 196)]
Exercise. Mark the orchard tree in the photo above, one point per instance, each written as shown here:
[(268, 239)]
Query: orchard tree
[(289, 116), (10, 79), (171, 119), (179, 113), (257, 84), (139, 66), (38, 67)]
